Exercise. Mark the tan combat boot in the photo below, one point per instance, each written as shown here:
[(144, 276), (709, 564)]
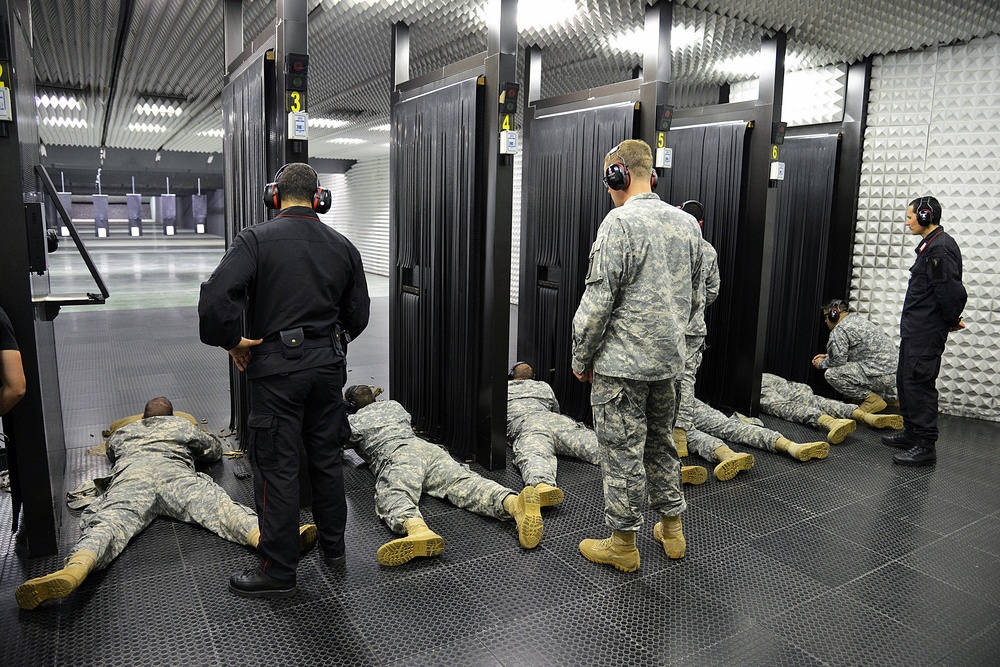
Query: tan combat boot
[(731, 463), (879, 421), (618, 550), (837, 429), (873, 403), (693, 475), (802, 452), (667, 532), (59, 584), (419, 541), (549, 495), (681, 442), (526, 508)]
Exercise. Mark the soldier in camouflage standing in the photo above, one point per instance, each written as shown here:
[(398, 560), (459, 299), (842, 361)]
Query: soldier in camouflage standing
[(405, 466), (153, 475), (538, 432), (695, 335), (860, 360), (711, 428), (642, 286), (796, 402)]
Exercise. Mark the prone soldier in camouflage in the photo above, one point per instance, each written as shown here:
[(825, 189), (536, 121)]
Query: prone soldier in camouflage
[(642, 286), (405, 466), (860, 360), (153, 475), (711, 428), (796, 402), (696, 332)]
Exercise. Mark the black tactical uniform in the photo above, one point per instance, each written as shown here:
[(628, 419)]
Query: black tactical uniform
[(934, 301), (303, 287)]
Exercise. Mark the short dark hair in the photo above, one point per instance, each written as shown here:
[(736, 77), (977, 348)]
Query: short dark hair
[(158, 407), (297, 182), (358, 396), (840, 304)]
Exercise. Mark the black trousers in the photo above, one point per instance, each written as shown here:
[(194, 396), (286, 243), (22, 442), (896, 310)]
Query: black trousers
[(916, 382), (291, 415)]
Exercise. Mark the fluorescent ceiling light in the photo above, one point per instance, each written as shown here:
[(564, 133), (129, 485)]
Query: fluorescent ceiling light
[(146, 127), (65, 122), (346, 140), (327, 123), (546, 14), (57, 101), (631, 41), (381, 128), (154, 109), (212, 133)]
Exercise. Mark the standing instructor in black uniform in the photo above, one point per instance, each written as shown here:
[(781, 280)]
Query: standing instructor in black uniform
[(932, 307), (303, 287)]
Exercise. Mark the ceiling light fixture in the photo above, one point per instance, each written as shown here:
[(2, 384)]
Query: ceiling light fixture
[(154, 109), (210, 158), (327, 123), (631, 41), (346, 140), (146, 127), (545, 15), (381, 128), (54, 101), (65, 122), (218, 134)]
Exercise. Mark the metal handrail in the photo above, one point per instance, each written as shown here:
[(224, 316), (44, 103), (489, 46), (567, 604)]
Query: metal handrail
[(50, 188)]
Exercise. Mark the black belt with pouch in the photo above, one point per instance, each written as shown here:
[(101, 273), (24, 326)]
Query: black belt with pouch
[(293, 342)]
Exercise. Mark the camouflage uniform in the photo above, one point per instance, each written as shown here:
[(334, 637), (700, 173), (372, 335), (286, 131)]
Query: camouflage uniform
[(154, 475), (538, 432), (695, 335), (711, 427), (642, 286), (405, 465), (860, 359), (796, 402)]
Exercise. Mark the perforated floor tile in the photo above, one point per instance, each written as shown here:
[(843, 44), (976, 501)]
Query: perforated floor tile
[(823, 556), (980, 651), (959, 564), (753, 510), (882, 533), (930, 512), (468, 651), (983, 535), (754, 646)]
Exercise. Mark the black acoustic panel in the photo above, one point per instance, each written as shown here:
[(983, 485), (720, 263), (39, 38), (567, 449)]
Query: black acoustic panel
[(563, 202), (436, 253), (801, 238), (708, 165)]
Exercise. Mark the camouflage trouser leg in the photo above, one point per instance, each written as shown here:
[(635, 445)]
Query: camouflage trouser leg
[(574, 439), (633, 421), (685, 409), (109, 523), (849, 380), (779, 404), (703, 444), (711, 421), (398, 486), (535, 453), (453, 481), (831, 407), (195, 498)]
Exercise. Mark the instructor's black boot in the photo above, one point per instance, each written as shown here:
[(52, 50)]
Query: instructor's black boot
[(253, 583), (921, 454), (899, 440)]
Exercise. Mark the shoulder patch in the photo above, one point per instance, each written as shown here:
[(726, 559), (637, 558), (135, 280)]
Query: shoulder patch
[(595, 270)]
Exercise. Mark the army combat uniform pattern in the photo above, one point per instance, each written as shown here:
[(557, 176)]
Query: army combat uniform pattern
[(641, 288), (711, 428), (860, 359), (695, 335), (406, 465), (538, 432), (154, 475), (796, 402)]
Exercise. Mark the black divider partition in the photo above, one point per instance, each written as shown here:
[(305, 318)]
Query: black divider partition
[(801, 239), (709, 164), (436, 247), (563, 203)]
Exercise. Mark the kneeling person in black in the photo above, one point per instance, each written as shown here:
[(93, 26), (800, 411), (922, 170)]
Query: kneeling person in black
[(303, 287)]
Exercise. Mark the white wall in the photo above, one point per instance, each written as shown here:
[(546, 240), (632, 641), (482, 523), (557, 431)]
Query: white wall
[(360, 210), (934, 129)]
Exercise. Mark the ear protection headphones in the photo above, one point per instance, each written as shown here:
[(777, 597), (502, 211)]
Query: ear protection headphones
[(617, 176), (510, 373), (695, 208), (834, 309), (349, 402), (924, 212), (321, 201)]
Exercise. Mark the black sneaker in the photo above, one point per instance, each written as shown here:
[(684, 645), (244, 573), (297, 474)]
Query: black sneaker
[(917, 455), (901, 440), (253, 583)]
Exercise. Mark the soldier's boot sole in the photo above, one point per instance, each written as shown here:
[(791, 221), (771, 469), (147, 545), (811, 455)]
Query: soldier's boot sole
[(693, 475), (549, 495), (811, 450), (34, 592), (528, 516), (674, 547), (734, 465), (839, 430), (872, 404), (604, 553), (405, 549), (307, 537), (887, 421)]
